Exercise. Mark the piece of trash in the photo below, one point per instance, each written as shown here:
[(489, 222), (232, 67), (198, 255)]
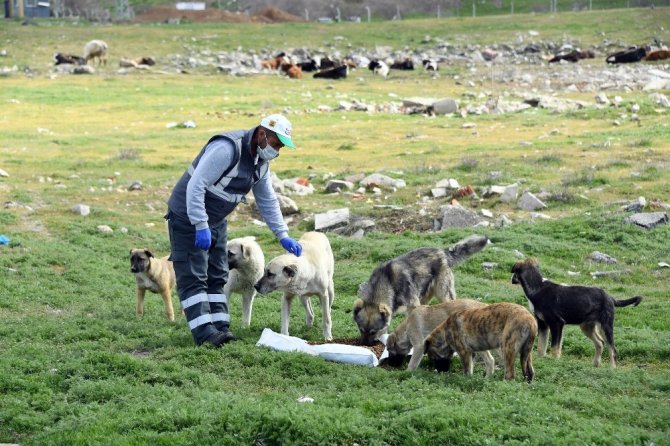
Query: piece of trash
[(305, 399), (181, 125), (4, 240)]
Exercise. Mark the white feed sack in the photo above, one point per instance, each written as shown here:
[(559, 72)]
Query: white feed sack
[(349, 354)]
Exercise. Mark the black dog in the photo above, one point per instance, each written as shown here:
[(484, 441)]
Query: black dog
[(556, 305)]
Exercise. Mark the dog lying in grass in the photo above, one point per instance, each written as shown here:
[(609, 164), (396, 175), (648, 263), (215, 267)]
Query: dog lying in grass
[(507, 326), (556, 305)]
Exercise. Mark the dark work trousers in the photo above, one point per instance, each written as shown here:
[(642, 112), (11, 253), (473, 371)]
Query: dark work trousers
[(201, 276)]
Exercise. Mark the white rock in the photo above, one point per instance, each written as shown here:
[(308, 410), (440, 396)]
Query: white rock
[(81, 209), (104, 229)]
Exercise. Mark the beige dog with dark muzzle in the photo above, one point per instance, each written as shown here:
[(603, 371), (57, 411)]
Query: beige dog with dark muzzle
[(507, 326), (153, 274), (311, 274), (418, 324)]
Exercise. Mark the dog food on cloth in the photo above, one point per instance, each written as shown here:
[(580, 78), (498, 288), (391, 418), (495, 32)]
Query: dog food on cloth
[(349, 354)]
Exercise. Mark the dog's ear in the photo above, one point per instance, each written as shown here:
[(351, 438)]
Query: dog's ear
[(291, 270), (148, 253), (364, 289), (358, 306), (131, 252), (385, 311)]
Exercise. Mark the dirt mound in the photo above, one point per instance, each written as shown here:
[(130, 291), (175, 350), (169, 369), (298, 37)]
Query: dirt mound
[(170, 13)]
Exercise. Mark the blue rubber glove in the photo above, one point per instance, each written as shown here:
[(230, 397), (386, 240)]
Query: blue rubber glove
[(203, 239), (291, 246)]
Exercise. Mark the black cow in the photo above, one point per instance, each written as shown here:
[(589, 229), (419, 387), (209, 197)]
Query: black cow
[(405, 64), (310, 65), (631, 55), (332, 73), (573, 56), (64, 58)]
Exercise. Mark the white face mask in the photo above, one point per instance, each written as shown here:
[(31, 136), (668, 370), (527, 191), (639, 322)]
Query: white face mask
[(268, 152)]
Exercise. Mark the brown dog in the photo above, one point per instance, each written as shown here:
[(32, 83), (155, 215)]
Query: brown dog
[(507, 326), (419, 323), (155, 275)]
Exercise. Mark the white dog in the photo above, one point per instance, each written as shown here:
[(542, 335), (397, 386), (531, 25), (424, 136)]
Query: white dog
[(246, 262), (311, 274)]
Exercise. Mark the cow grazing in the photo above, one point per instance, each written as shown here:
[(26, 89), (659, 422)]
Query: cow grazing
[(573, 56), (292, 71), (379, 67), (429, 64), (658, 55), (333, 73), (274, 64), (405, 64), (308, 66), (96, 49), (631, 55), (64, 58), (326, 62)]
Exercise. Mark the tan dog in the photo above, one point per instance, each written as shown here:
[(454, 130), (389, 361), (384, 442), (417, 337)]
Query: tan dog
[(409, 280), (418, 324), (507, 326), (311, 274), (155, 275), (245, 262)]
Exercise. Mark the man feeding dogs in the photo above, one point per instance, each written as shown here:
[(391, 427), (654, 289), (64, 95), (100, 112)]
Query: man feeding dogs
[(229, 166)]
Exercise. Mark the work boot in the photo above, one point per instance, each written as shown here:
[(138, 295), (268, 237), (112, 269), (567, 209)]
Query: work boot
[(219, 338)]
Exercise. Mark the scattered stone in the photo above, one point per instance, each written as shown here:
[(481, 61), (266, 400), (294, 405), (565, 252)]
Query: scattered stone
[(339, 185), (286, 205), (489, 265), (599, 257), (444, 107), (438, 192), (331, 219), (456, 217), (510, 194), (635, 206), (448, 184), (647, 220), (503, 221), (379, 180), (529, 202), (135, 185), (104, 229), (81, 209)]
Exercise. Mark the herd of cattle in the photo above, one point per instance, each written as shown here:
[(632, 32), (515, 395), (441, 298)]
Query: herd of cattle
[(338, 68)]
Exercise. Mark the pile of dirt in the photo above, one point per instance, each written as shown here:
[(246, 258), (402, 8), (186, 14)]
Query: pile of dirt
[(169, 13)]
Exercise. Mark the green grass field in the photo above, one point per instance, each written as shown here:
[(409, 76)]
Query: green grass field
[(77, 367)]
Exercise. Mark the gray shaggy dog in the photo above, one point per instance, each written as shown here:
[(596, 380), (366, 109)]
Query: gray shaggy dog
[(409, 280)]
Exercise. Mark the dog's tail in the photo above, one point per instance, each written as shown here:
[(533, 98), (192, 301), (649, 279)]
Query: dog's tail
[(635, 301), (460, 251)]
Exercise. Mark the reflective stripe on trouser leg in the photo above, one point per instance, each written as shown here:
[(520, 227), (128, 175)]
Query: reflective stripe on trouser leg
[(190, 266), (218, 304), (217, 276)]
